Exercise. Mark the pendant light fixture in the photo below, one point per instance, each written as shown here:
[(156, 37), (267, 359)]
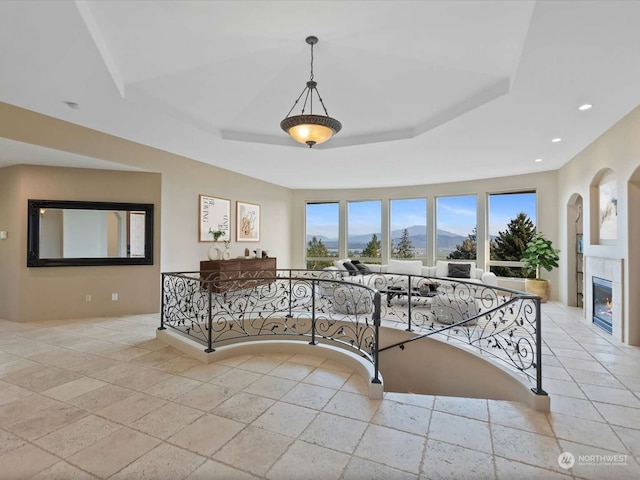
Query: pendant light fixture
[(307, 127)]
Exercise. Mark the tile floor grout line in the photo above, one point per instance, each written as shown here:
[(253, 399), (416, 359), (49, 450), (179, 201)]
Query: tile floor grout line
[(628, 353)]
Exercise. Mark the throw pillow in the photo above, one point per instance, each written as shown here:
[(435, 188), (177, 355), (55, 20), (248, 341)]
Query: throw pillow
[(363, 269), (459, 270), (442, 267), (351, 267)]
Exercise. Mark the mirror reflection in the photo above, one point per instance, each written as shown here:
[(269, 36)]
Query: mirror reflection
[(67, 233)]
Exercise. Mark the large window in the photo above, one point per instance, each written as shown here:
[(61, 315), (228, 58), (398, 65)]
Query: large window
[(512, 223), (456, 226), (322, 234), (510, 218), (364, 227), (408, 228)]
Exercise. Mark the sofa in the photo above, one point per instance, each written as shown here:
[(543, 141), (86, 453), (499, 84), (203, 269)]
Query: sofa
[(450, 289), (396, 272), (443, 269)]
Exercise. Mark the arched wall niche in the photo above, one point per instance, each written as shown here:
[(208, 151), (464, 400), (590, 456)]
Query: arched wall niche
[(633, 258), (574, 250), (603, 214)]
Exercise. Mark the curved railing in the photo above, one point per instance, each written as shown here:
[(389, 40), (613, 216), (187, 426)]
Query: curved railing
[(217, 309), (223, 309)]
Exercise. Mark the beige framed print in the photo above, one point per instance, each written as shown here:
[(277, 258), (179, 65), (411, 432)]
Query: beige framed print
[(214, 216), (247, 222)]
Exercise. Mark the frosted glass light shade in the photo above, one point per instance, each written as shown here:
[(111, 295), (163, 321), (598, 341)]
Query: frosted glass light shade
[(310, 129)]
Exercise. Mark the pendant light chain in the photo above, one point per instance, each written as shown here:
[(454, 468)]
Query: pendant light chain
[(311, 78), (322, 103), (316, 89), (310, 88)]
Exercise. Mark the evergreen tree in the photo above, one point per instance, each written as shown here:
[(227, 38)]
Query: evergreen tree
[(468, 249), (315, 249), (404, 249), (372, 249), (511, 244)]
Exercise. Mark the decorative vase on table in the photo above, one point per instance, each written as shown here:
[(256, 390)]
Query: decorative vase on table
[(214, 252), (226, 255)]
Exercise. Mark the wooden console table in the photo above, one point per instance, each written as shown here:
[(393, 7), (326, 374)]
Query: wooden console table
[(238, 273)]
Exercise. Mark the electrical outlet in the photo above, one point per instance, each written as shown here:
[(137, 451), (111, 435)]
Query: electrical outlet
[(114, 296), (87, 298)]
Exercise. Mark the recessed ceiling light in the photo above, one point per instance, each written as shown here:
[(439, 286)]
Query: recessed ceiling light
[(556, 140), (584, 107), (72, 105), (538, 160)]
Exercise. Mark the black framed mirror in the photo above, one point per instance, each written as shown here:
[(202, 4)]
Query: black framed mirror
[(63, 233)]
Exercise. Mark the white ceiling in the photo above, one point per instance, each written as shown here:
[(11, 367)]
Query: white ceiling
[(427, 92), (13, 153)]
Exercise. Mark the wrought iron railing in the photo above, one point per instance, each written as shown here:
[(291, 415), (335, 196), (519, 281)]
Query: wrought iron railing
[(347, 311), (496, 322), (229, 308)]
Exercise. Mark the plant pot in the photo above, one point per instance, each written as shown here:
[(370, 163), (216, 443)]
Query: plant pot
[(539, 287)]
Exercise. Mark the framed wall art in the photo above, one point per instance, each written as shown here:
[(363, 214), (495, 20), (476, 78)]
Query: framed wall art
[(247, 222), (608, 211), (214, 215)]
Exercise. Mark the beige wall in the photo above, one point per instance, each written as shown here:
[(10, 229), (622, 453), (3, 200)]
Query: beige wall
[(10, 259), (283, 211), (617, 149), (544, 183), (182, 180), (59, 292), (181, 186)]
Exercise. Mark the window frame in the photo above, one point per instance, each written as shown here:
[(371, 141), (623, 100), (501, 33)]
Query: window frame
[(329, 260), (506, 263), (436, 218), (425, 255), (371, 260)]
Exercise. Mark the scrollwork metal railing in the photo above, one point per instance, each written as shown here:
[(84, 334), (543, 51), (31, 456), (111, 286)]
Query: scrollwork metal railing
[(347, 311), (228, 308), (496, 322)]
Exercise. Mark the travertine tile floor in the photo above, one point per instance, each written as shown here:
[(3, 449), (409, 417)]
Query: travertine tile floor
[(101, 398)]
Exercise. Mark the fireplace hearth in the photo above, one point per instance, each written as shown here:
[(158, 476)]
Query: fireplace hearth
[(602, 303)]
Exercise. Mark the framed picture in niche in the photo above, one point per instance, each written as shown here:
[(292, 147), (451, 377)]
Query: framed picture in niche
[(214, 215), (247, 222), (608, 212)]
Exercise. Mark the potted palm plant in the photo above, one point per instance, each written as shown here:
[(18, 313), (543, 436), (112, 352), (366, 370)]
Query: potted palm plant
[(539, 254)]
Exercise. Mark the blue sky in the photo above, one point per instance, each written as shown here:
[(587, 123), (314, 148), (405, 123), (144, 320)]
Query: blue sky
[(455, 214), (322, 219), (503, 208)]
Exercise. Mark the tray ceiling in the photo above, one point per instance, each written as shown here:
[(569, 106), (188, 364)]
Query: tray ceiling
[(426, 91)]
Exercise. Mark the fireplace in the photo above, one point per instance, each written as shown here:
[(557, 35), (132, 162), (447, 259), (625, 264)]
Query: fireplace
[(597, 269), (602, 303)]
